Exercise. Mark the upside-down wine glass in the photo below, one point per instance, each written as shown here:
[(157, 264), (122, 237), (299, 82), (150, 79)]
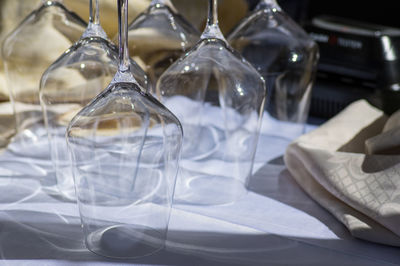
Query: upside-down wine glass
[(219, 98), (68, 85), (27, 51), (159, 36), (124, 148), (287, 58)]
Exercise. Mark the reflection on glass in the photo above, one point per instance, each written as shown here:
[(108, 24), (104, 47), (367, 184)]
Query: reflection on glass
[(124, 147), (159, 36), (286, 57), (73, 80), (27, 51), (219, 99)]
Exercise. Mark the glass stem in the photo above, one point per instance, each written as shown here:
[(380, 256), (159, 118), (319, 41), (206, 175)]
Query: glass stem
[(167, 3), (212, 20), (124, 64), (160, 2), (59, 1), (94, 28), (268, 4), (212, 30), (94, 16)]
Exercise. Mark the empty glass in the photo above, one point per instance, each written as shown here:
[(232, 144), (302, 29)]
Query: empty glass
[(159, 36), (70, 83), (124, 147), (286, 57), (219, 98), (27, 51)]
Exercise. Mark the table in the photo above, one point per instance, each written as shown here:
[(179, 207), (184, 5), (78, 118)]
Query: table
[(275, 223)]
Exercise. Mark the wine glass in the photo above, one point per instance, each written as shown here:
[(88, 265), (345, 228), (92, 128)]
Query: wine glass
[(124, 147), (73, 80), (27, 51), (159, 36), (286, 57), (219, 98)]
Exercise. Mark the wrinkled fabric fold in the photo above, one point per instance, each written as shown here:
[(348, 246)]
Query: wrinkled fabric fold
[(362, 191)]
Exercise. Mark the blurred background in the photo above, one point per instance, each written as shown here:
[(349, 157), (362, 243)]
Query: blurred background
[(13, 11), (345, 74)]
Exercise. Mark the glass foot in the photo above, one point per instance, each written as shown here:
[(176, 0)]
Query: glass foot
[(125, 241), (200, 142), (209, 190), (270, 147)]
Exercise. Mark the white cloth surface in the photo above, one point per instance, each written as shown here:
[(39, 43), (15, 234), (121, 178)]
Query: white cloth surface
[(275, 223)]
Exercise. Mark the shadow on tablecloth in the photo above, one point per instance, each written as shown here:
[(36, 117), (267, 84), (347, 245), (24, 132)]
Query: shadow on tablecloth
[(38, 236)]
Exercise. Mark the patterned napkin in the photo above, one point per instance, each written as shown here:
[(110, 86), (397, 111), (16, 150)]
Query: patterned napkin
[(351, 166)]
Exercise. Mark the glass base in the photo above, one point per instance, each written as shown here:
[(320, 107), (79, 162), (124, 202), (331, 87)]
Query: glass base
[(59, 187), (62, 194), (282, 129), (209, 190), (270, 147), (125, 241), (199, 142), (31, 143)]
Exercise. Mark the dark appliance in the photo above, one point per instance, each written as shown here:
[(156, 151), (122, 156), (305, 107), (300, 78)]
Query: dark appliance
[(358, 60)]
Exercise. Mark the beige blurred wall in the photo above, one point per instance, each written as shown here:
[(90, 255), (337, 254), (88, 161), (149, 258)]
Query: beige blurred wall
[(193, 10), (12, 13)]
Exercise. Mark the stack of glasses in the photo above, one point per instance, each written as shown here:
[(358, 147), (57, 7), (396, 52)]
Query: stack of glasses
[(182, 118)]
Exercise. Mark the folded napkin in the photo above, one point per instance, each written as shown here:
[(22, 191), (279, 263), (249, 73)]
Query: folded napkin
[(350, 166)]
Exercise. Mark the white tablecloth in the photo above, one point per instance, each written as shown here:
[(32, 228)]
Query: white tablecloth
[(276, 223)]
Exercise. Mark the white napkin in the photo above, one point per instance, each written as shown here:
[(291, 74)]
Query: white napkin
[(360, 189)]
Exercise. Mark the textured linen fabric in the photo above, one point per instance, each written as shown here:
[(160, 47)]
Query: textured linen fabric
[(360, 189), (275, 223)]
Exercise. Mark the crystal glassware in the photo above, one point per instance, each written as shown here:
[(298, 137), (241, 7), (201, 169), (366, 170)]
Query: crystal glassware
[(68, 85), (159, 36), (124, 147), (219, 98), (27, 51), (287, 58)]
